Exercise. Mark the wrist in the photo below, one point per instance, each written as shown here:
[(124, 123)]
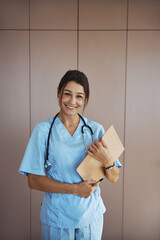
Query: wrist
[(109, 163), (110, 167), (74, 189)]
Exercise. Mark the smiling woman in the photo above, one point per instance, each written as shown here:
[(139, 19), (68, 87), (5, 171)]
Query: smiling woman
[(72, 99), (71, 102), (76, 77), (72, 208)]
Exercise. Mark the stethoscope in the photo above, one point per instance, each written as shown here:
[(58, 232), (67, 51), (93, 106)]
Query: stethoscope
[(47, 163)]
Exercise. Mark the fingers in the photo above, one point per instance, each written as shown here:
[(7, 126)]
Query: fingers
[(103, 142), (94, 147), (96, 144), (89, 152), (99, 151), (86, 188), (94, 184), (91, 182)]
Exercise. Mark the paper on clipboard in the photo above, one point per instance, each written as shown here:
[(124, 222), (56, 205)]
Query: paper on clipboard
[(90, 168)]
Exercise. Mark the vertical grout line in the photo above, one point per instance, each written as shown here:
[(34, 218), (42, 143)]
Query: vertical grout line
[(30, 111), (77, 34), (125, 104)]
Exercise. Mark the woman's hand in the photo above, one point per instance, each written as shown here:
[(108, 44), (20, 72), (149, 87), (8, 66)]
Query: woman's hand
[(86, 188), (100, 152)]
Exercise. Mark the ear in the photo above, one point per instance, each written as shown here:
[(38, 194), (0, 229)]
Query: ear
[(85, 102), (58, 97)]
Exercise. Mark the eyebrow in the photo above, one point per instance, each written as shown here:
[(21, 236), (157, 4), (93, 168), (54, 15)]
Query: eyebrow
[(71, 91)]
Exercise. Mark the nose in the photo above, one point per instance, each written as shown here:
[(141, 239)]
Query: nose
[(73, 100)]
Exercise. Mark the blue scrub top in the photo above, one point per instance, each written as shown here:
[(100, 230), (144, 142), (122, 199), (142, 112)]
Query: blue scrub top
[(66, 152)]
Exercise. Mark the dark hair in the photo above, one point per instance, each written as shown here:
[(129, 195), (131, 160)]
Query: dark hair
[(75, 76)]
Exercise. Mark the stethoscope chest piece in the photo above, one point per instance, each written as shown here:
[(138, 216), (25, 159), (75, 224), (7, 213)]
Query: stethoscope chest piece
[(47, 165)]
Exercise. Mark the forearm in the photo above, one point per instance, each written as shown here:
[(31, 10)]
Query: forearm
[(113, 174), (45, 184)]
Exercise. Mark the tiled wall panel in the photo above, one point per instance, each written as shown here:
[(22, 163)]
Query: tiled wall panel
[(14, 14), (53, 14), (102, 57), (100, 14), (14, 132), (142, 165), (144, 14)]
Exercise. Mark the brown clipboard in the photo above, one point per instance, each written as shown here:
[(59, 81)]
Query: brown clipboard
[(90, 168)]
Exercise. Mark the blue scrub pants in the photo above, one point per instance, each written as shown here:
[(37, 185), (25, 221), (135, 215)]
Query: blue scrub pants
[(91, 232)]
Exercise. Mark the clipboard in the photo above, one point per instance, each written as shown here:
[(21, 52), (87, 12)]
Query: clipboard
[(90, 168)]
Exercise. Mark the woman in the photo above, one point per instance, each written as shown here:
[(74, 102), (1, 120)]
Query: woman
[(71, 208)]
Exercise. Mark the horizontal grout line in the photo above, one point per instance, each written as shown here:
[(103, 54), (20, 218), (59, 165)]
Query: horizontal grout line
[(125, 29), (38, 30), (81, 30), (143, 30)]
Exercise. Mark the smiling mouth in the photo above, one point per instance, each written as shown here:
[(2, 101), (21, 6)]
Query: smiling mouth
[(70, 107)]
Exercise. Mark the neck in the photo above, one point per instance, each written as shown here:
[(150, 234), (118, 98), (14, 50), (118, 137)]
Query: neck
[(69, 121)]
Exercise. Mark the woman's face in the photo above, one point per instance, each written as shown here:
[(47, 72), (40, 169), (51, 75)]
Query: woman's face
[(73, 98)]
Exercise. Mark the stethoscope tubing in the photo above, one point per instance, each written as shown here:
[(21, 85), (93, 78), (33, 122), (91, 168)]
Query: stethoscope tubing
[(47, 164)]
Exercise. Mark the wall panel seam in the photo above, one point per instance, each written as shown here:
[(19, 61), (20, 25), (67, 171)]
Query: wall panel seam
[(30, 233), (125, 103), (77, 34)]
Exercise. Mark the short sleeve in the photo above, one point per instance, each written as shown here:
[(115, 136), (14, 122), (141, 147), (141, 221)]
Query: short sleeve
[(34, 157), (118, 164)]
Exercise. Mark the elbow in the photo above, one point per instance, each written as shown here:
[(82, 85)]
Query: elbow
[(115, 175), (30, 185), (114, 179), (31, 181)]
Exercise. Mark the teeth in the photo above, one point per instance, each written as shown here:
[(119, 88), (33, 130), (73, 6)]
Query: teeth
[(70, 107)]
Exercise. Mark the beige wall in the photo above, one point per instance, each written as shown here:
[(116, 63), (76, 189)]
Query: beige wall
[(118, 47)]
